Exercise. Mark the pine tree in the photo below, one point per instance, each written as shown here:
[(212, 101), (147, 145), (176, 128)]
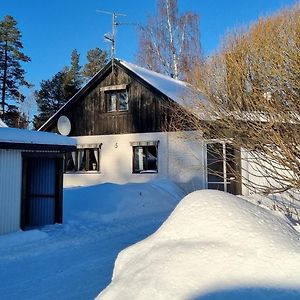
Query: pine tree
[(55, 92), (50, 97), (97, 59), (73, 79), (12, 75)]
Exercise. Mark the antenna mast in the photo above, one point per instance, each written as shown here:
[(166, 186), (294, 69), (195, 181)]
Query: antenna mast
[(112, 38)]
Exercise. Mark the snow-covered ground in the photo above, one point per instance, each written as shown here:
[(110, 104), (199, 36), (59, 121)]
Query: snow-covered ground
[(213, 246), (75, 260)]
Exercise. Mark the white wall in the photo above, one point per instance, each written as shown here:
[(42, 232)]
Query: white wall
[(254, 172), (178, 159), (187, 160), (10, 190)]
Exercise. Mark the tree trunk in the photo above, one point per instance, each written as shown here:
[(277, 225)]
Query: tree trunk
[(4, 81)]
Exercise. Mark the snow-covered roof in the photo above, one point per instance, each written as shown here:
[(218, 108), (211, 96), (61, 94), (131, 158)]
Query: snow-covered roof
[(23, 136), (179, 91), (2, 124)]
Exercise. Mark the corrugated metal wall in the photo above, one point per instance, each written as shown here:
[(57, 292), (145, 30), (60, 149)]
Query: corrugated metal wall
[(10, 190), (41, 192)]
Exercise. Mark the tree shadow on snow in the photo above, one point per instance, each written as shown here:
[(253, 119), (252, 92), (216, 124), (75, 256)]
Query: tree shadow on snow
[(253, 293)]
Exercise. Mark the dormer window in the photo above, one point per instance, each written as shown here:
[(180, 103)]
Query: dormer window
[(117, 100)]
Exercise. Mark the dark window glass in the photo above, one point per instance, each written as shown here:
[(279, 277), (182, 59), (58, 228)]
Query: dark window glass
[(215, 163), (70, 159), (83, 160), (145, 159), (117, 100)]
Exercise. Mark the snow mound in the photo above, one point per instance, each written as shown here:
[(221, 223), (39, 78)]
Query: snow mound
[(110, 202), (213, 246)]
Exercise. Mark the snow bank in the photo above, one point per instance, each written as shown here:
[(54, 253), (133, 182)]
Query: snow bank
[(109, 202), (213, 246)]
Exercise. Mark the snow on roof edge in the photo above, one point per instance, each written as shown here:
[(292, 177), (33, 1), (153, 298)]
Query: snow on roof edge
[(2, 124), (24, 136)]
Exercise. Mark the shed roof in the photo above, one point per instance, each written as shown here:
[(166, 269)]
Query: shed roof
[(13, 138)]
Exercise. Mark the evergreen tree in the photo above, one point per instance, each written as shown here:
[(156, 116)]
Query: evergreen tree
[(73, 80), (55, 92), (50, 97), (97, 59), (12, 75)]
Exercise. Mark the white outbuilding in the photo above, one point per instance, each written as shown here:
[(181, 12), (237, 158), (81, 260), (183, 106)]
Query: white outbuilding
[(31, 178)]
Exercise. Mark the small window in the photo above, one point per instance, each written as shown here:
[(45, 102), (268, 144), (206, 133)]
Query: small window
[(117, 100), (83, 160), (144, 159)]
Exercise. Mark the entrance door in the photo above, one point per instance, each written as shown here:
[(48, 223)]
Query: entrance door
[(42, 187), (223, 168)]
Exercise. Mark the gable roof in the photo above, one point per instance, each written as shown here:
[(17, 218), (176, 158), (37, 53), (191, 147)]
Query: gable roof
[(176, 90)]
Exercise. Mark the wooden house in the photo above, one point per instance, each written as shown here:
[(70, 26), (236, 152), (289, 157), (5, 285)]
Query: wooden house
[(120, 119), (31, 178)]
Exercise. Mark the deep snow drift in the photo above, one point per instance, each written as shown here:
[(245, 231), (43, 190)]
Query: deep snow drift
[(213, 246)]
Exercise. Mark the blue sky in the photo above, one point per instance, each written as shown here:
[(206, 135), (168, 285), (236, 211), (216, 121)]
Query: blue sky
[(53, 28)]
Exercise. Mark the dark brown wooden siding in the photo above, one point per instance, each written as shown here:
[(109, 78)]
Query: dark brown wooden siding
[(146, 109)]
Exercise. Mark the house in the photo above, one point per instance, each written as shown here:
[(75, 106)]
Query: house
[(31, 178), (120, 120)]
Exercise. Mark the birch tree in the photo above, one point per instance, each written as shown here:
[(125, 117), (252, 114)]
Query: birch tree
[(170, 43), (253, 88)]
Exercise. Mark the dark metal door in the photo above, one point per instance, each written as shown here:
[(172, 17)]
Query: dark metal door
[(41, 191)]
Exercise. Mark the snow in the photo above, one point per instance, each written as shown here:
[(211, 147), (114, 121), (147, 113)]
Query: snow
[(75, 260), (2, 124), (14, 135), (179, 91), (213, 246)]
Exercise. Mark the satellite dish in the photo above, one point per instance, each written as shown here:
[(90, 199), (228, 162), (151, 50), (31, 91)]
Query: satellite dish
[(64, 125)]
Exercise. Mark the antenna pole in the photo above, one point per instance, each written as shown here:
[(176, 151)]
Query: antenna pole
[(113, 40)]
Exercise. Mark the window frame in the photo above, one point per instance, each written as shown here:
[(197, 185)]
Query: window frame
[(226, 179), (86, 149), (145, 151), (109, 94)]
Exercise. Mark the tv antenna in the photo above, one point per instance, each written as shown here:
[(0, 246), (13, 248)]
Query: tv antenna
[(112, 37)]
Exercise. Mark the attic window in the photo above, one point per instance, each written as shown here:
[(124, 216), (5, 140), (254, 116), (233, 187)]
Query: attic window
[(117, 100)]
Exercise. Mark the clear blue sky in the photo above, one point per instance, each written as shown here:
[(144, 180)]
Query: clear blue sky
[(53, 28)]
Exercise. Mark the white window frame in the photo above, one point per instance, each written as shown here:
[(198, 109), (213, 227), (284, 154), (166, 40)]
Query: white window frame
[(85, 148), (142, 145)]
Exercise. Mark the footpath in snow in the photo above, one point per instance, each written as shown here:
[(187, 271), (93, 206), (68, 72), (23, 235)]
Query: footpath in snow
[(75, 260)]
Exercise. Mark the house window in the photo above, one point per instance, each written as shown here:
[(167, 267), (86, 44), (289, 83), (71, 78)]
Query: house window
[(117, 100), (220, 167), (145, 157), (83, 160)]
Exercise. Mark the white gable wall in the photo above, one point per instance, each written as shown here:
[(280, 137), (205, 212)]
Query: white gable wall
[(10, 190)]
